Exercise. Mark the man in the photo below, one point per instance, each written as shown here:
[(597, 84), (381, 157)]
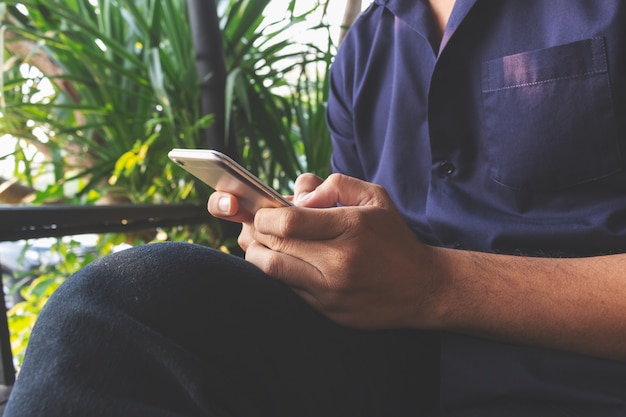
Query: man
[(466, 260)]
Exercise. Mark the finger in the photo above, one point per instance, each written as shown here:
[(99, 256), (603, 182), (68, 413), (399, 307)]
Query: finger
[(347, 191), (303, 223), (245, 237), (226, 206), (304, 279), (304, 185), (292, 271)]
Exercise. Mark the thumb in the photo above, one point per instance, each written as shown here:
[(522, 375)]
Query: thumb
[(343, 190), (305, 184)]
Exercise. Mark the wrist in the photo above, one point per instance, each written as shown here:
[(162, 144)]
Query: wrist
[(448, 273)]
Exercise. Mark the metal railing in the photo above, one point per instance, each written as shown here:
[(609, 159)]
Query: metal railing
[(25, 222)]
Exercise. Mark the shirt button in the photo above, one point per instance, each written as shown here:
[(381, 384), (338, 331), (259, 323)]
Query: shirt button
[(446, 168)]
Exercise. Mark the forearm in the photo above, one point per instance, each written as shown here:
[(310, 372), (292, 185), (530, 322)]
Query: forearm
[(568, 304)]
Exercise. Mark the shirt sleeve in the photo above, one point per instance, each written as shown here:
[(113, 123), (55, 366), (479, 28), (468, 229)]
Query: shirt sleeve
[(345, 157)]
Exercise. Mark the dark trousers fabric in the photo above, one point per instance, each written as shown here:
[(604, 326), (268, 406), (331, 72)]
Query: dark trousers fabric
[(182, 330)]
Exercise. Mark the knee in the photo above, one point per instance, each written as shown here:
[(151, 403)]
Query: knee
[(149, 278)]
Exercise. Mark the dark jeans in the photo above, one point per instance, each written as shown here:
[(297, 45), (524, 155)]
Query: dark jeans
[(182, 330)]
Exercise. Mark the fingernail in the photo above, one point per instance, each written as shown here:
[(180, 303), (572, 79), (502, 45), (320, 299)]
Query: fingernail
[(223, 205)]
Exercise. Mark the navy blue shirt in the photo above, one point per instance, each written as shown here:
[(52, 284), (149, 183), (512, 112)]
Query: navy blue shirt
[(507, 137)]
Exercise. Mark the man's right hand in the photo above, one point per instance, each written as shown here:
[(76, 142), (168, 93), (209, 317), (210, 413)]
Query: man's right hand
[(226, 206)]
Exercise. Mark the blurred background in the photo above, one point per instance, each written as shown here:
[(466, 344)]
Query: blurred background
[(94, 93)]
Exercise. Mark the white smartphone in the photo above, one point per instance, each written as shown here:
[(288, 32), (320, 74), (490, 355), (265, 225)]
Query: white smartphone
[(223, 174)]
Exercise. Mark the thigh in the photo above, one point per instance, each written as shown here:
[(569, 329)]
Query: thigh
[(184, 330)]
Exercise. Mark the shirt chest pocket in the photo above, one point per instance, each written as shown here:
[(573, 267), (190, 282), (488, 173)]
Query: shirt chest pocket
[(549, 118)]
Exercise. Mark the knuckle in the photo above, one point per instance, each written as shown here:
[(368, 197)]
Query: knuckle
[(307, 180), (381, 198), (379, 189), (243, 242), (354, 219), (272, 266), (277, 243), (335, 179), (245, 237), (287, 222)]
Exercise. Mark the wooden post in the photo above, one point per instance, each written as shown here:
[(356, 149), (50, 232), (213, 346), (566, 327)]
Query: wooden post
[(351, 12), (211, 68)]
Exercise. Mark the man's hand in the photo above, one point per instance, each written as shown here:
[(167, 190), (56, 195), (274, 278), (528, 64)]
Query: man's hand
[(346, 250), (226, 206)]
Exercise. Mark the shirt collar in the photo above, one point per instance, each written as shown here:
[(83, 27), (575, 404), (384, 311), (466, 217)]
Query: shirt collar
[(416, 14), (461, 9)]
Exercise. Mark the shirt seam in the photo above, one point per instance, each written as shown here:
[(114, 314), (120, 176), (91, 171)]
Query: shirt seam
[(585, 74)]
